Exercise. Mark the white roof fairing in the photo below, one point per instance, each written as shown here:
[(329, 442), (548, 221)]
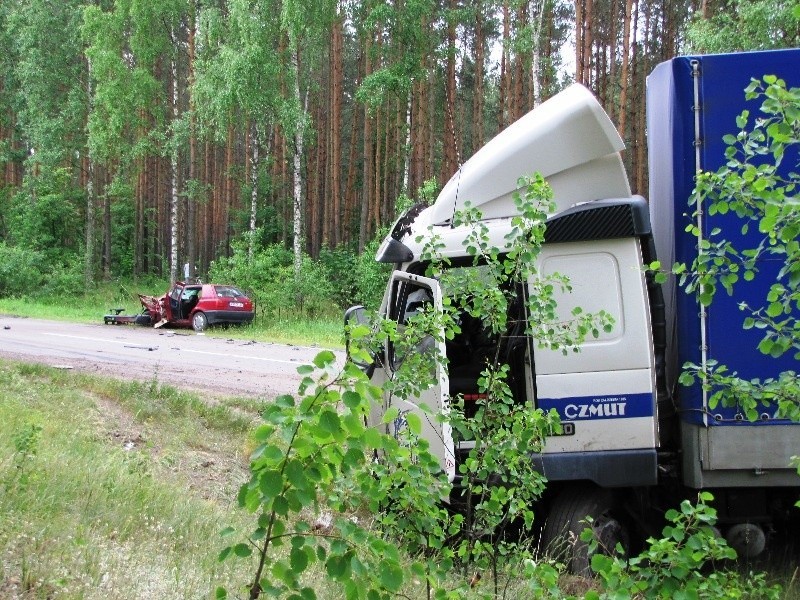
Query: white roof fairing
[(569, 139)]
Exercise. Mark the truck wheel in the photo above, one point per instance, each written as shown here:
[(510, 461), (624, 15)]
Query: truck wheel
[(199, 322), (566, 521)]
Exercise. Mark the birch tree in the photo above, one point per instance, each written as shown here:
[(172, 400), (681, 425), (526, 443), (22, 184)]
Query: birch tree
[(304, 23), (126, 123)]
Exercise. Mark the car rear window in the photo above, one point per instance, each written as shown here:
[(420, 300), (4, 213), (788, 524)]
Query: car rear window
[(226, 291)]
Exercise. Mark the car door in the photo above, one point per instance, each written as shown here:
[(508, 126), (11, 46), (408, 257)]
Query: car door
[(406, 294), (173, 303)]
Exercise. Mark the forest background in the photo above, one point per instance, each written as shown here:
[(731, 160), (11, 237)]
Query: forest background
[(138, 136)]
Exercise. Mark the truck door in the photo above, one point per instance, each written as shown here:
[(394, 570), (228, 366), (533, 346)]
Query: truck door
[(407, 295), (605, 394)]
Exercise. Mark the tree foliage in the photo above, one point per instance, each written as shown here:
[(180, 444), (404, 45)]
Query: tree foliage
[(675, 565), (50, 109), (746, 25), (317, 453), (165, 130)]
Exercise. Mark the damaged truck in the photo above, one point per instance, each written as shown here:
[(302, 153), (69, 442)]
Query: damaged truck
[(633, 441)]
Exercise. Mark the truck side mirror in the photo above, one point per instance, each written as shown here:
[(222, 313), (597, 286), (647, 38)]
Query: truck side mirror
[(353, 316)]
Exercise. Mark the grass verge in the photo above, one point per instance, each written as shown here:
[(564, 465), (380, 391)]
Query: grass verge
[(114, 490)]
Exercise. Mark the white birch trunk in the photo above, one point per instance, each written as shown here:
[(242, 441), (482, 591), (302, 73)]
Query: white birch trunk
[(88, 267), (254, 194), (296, 170), (407, 159), (173, 218), (537, 49)]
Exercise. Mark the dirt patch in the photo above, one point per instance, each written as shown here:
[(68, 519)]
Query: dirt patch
[(211, 471)]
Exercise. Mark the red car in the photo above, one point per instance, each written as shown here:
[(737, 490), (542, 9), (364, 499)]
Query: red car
[(191, 304), (201, 305)]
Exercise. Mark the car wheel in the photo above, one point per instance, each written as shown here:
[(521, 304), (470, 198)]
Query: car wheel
[(566, 521), (199, 322), (144, 319)]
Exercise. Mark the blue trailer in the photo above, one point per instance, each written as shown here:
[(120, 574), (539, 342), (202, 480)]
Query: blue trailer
[(692, 102)]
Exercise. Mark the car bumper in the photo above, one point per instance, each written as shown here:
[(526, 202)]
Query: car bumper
[(229, 316)]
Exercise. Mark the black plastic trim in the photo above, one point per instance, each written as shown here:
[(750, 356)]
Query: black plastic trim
[(600, 220), (393, 251), (617, 468)]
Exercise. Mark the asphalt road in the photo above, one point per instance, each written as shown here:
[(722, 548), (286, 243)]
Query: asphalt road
[(179, 357)]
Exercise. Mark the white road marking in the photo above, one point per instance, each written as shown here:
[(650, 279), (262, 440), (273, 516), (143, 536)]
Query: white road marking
[(83, 337), (224, 354)]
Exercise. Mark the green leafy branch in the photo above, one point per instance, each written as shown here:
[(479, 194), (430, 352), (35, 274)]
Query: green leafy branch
[(674, 566), (498, 482), (752, 397), (310, 452), (516, 263)]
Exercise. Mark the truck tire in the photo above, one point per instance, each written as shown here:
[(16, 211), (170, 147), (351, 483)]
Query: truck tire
[(566, 521)]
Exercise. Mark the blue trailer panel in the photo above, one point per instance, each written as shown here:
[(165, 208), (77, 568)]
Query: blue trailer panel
[(692, 103)]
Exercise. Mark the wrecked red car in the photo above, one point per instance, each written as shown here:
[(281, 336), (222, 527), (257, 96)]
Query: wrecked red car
[(190, 304)]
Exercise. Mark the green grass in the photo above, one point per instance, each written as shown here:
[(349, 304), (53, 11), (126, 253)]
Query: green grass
[(118, 490), (324, 331), (89, 307), (327, 333), (114, 490)]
